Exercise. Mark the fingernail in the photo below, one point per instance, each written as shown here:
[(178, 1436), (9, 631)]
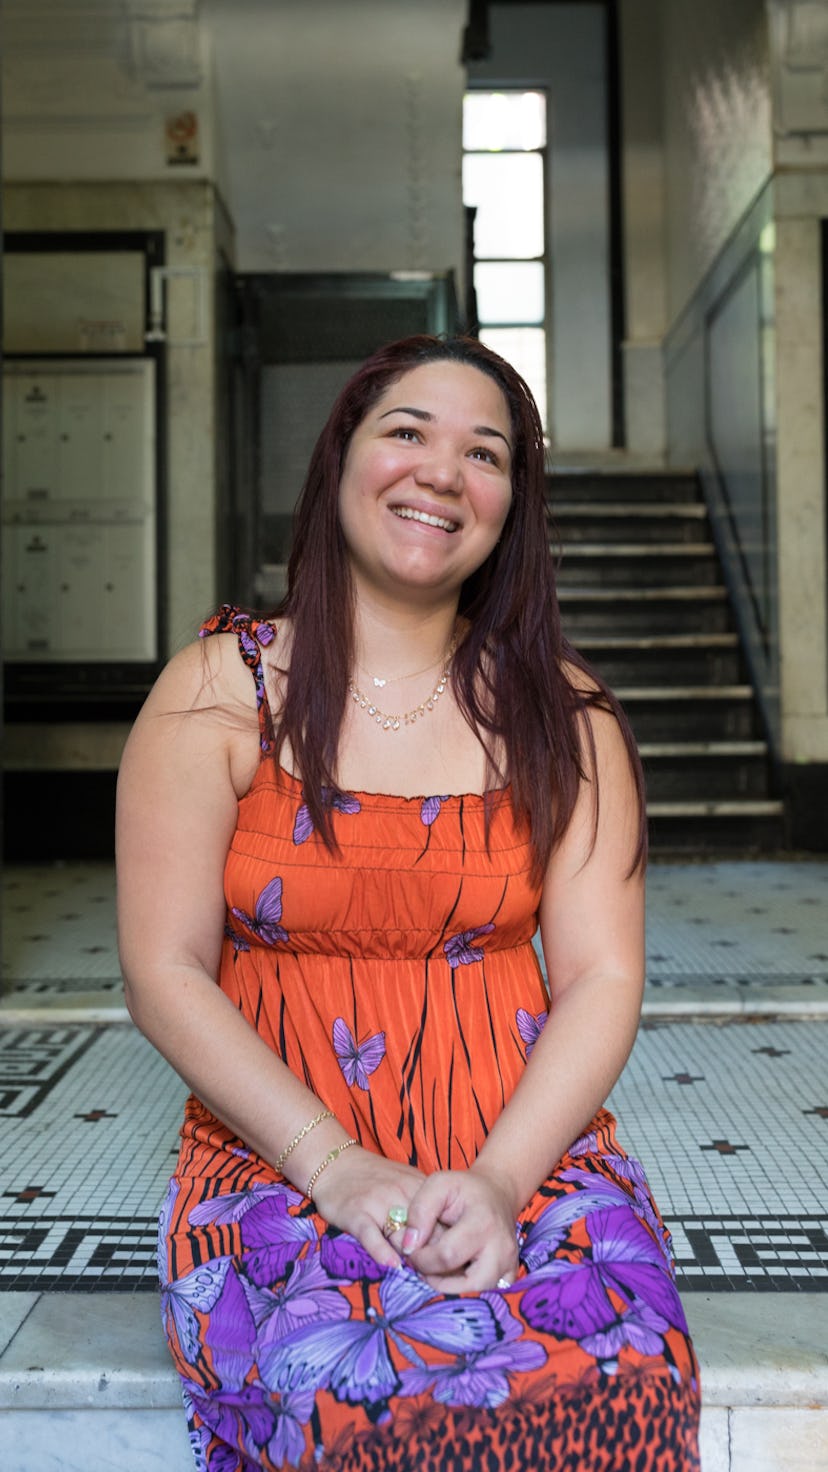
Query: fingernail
[(410, 1239)]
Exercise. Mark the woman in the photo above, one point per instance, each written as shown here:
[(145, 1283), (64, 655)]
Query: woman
[(401, 1232)]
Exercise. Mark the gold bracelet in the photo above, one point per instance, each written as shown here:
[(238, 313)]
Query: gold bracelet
[(331, 1156), (305, 1130)]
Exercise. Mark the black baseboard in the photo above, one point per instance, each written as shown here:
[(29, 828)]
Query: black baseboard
[(805, 790), (58, 815)]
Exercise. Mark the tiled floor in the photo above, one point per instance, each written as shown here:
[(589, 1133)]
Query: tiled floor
[(730, 1116)]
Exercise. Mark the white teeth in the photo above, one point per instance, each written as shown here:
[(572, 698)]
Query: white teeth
[(409, 515)]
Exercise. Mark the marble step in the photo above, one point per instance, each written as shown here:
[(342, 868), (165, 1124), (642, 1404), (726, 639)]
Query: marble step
[(86, 1384)]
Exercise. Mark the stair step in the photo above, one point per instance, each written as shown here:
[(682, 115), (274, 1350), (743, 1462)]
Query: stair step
[(641, 549), (696, 712), (679, 771), (610, 521), (693, 659), (638, 565), (627, 612), (684, 693), (589, 486), (718, 808), (746, 826), (713, 593), (660, 642), (631, 510)]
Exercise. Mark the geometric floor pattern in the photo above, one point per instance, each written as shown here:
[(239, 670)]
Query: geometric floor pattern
[(728, 1116), (730, 1122)]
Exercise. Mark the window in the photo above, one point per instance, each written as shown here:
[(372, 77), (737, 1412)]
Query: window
[(504, 141)]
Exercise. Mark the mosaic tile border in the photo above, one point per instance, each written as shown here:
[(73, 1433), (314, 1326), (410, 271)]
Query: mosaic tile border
[(766, 1254)]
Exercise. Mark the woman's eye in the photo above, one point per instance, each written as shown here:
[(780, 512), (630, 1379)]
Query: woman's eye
[(480, 452), (404, 432)]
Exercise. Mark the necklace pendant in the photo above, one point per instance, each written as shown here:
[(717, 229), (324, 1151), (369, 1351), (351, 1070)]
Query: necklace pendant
[(378, 682)]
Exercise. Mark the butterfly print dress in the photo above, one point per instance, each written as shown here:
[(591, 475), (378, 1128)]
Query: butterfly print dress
[(398, 980)]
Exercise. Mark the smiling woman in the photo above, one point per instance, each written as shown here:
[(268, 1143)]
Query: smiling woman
[(432, 454), (401, 1233)]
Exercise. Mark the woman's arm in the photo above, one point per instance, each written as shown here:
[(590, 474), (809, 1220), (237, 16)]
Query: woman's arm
[(592, 929), (192, 753)]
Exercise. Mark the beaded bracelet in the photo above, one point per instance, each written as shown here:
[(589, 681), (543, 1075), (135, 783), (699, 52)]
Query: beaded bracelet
[(305, 1130), (331, 1156)]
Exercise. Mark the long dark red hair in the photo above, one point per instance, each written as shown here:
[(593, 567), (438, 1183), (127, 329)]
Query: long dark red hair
[(508, 673)]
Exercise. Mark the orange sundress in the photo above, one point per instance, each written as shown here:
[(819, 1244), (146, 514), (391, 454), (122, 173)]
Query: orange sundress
[(398, 980)]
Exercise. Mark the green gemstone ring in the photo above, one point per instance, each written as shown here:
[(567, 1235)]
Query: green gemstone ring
[(395, 1220)]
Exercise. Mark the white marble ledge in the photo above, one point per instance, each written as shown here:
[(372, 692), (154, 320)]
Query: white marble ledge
[(107, 1350), (95, 1441), (702, 1003), (81, 1350), (777, 1439), (14, 1310), (88, 1007), (761, 1349)]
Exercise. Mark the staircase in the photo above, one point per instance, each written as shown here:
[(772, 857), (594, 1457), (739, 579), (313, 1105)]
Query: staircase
[(643, 598)]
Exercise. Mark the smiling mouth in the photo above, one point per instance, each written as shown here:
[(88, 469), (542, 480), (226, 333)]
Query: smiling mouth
[(408, 514)]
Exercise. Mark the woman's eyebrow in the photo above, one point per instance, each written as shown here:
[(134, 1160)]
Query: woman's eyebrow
[(407, 409), (484, 429)]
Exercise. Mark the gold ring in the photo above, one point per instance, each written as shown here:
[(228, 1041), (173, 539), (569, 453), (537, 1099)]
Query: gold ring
[(396, 1218)]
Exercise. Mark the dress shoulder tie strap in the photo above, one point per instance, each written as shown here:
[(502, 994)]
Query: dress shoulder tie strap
[(253, 635)]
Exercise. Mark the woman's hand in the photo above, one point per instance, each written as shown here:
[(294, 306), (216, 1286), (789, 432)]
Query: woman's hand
[(356, 1193), (477, 1246)]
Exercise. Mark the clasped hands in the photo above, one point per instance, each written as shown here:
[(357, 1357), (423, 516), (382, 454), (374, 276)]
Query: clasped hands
[(459, 1233)]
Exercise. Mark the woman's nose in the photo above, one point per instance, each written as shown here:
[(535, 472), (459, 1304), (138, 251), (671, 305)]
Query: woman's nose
[(441, 470)]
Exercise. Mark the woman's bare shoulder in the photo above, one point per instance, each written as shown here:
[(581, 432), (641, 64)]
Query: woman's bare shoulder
[(207, 674)]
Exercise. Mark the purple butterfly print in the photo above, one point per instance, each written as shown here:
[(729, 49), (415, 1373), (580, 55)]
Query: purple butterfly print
[(479, 1379), (630, 1169), (164, 1221), (430, 809), (341, 802), (273, 1239), (459, 949), (357, 1060), (343, 1257), (286, 1446), (351, 1358), (638, 1325), (199, 1436), (585, 1144), (248, 644), (231, 1334), (239, 942), (546, 1234), (197, 1290), (306, 1297), (234, 1415), (265, 922), (530, 1026), (233, 1205), (571, 1298)]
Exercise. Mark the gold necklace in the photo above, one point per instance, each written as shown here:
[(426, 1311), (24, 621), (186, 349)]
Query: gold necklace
[(379, 684), (393, 722)]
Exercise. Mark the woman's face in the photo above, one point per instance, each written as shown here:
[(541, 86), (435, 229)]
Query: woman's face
[(426, 485)]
